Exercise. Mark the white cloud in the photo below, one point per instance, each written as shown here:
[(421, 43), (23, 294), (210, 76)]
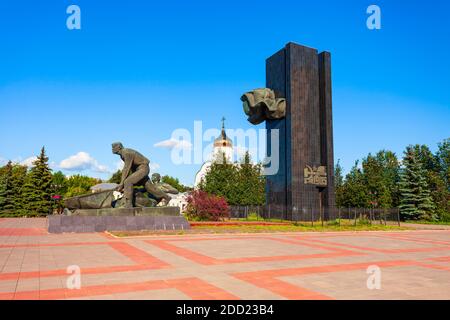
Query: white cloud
[(29, 161), (239, 153), (3, 161), (119, 165), (174, 144), (154, 166), (83, 161)]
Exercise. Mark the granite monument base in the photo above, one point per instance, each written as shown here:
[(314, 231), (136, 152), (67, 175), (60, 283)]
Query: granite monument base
[(134, 219)]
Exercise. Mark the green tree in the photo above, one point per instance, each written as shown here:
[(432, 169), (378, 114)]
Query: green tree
[(416, 201), (436, 167), (381, 176), (239, 184), (439, 180), (219, 180), (354, 190), (78, 185), (12, 179), (443, 160), (250, 183), (116, 177), (6, 190), (19, 175), (59, 183), (37, 191), (339, 184), (3, 188)]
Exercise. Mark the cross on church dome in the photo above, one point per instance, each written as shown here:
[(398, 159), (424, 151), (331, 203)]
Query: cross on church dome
[(223, 140)]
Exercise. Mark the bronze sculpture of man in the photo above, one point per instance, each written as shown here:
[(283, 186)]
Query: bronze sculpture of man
[(135, 173), (164, 187)]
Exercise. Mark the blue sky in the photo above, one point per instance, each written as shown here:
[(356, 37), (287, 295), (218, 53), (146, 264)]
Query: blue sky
[(137, 70)]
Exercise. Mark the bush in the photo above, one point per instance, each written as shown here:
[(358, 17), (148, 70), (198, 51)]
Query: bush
[(443, 216), (206, 207)]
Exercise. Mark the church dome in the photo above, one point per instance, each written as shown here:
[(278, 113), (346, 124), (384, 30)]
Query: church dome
[(222, 140)]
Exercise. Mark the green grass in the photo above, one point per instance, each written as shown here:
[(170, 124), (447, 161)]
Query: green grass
[(446, 223), (345, 225), (296, 228)]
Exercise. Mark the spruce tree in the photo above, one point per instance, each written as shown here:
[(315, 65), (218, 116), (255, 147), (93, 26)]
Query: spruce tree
[(19, 173), (250, 182), (339, 184), (37, 191), (220, 180), (6, 191), (443, 159), (3, 188), (416, 202)]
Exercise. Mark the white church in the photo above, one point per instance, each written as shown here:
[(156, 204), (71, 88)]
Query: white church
[(222, 146)]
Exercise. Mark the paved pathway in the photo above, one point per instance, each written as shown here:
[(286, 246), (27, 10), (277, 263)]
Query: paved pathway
[(34, 265)]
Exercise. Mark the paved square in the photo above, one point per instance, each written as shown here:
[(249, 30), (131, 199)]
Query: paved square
[(33, 265)]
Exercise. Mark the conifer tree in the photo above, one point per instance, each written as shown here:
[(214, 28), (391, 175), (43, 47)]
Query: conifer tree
[(3, 188), (416, 202), (250, 183), (219, 180), (339, 184), (19, 174), (37, 191), (6, 191)]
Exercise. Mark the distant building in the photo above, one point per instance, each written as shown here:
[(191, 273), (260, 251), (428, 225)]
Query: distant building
[(222, 146), (179, 200)]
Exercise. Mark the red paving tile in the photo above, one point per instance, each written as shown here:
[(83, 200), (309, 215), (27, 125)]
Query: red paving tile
[(139, 256), (143, 260), (188, 254), (267, 279), (206, 260), (432, 266), (381, 250), (67, 244), (192, 287), (440, 259), (7, 232), (413, 239), (63, 272)]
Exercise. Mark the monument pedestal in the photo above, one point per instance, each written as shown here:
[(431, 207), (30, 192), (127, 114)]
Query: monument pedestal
[(134, 219)]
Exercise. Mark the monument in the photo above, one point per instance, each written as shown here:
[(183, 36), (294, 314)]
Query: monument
[(137, 203), (135, 173), (297, 102)]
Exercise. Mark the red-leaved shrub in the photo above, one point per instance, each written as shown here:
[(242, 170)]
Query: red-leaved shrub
[(206, 207)]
